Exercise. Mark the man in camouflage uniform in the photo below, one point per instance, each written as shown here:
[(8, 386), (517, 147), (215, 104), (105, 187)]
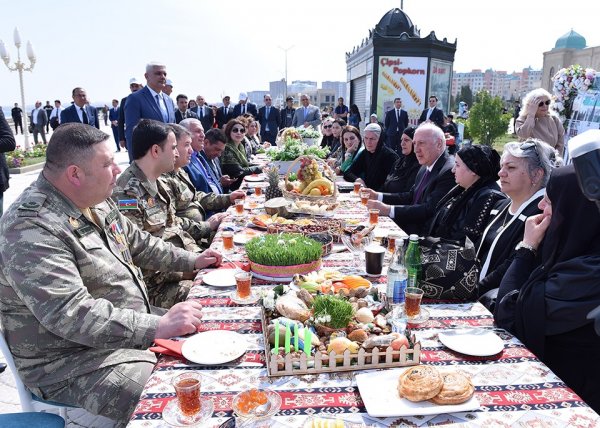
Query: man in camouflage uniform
[(181, 191), (140, 197), (73, 305)]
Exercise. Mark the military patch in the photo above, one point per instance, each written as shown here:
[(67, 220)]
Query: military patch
[(84, 230), (151, 202), (127, 204), (112, 216), (153, 210), (30, 205), (74, 222)]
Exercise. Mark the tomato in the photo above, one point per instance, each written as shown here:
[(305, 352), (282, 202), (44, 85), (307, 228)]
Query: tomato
[(246, 267)]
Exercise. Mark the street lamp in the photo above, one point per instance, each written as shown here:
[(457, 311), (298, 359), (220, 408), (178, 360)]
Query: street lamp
[(286, 80), (20, 67)]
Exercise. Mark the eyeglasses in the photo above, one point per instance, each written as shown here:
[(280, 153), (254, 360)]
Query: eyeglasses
[(541, 104), (327, 126), (238, 130)]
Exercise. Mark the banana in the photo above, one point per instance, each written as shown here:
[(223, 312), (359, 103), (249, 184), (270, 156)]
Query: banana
[(319, 182)]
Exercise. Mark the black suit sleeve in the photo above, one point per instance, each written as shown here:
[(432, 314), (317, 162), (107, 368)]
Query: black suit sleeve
[(386, 120), (405, 119), (424, 211), (121, 120), (96, 119), (7, 139)]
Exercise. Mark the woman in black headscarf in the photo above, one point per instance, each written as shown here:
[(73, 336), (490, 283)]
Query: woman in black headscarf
[(552, 284), (465, 210), (402, 176), (373, 164)]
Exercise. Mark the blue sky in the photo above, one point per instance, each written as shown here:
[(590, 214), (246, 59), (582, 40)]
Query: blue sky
[(216, 47)]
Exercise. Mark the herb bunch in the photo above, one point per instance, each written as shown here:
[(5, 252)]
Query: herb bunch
[(336, 310)]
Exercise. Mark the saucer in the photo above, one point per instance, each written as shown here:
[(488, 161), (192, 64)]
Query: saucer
[(172, 415), (253, 298), (419, 319)]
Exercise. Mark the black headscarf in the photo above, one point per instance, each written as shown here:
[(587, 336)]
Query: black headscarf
[(482, 160), (375, 162)]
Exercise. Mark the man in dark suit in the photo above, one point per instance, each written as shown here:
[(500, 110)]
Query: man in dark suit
[(113, 116), (244, 106), (80, 111), (204, 112), (17, 117), (270, 120), (149, 102), (182, 111), (48, 109), (7, 144), (433, 113), (287, 113), (414, 210), (225, 113), (134, 86), (395, 121), (39, 120)]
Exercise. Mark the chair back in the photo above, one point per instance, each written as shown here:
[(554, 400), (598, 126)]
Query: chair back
[(25, 395)]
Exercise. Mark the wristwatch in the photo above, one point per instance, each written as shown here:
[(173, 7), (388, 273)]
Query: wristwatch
[(526, 246)]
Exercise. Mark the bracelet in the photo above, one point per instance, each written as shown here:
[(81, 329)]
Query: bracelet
[(525, 246)]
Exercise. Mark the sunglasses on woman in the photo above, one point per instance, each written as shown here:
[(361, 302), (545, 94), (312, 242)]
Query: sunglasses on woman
[(327, 126), (541, 104), (238, 130)]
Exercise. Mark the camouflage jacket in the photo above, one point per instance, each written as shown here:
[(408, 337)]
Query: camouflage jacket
[(151, 210), (72, 298)]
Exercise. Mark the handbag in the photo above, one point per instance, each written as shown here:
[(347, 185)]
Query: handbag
[(449, 271)]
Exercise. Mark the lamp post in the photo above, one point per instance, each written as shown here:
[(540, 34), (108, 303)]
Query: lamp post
[(286, 79), (20, 67)]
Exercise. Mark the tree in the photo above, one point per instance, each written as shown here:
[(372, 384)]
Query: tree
[(466, 95), (486, 121)]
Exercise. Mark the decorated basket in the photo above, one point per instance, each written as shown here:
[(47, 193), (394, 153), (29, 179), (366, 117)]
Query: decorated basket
[(284, 271), (315, 181)]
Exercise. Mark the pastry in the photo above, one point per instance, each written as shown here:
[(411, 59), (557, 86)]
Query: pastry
[(420, 383), (457, 388)]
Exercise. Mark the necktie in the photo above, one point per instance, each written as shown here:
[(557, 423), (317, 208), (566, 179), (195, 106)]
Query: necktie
[(267, 118), (225, 110), (243, 108), (201, 110), (163, 109), (421, 187), (305, 113), (84, 116), (429, 113), (397, 119)]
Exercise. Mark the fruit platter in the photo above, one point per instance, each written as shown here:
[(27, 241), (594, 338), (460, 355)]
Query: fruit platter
[(327, 322), (314, 181)]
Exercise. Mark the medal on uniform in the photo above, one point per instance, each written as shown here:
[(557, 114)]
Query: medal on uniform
[(151, 202)]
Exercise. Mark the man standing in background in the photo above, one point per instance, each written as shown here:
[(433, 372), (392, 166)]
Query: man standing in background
[(80, 111), (113, 116), (225, 113), (244, 106), (341, 110), (48, 109), (17, 116), (55, 115), (204, 113), (396, 120), (134, 86), (287, 114), (39, 121), (269, 119)]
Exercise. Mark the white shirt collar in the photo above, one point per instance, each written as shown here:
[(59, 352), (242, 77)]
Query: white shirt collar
[(154, 93), (429, 168)]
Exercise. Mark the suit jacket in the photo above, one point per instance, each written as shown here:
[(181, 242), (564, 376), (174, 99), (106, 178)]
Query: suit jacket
[(437, 116), (142, 105), (223, 118), (113, 114), (7, 144), (416, 218), (121, 124), (207, 119), (69, 115), (42, 118), (250, 108), (197, 174), (287, 116), (313, 116), (273, 121), (188, 113), (391, 123)]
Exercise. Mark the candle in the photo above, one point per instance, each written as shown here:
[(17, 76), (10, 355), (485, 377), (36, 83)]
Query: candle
[(307, 340), (288, 337), (296, 348), (276, 348)]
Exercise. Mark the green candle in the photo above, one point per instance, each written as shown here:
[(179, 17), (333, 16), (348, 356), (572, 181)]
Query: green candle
[(276, 348), (296, 338), (288, 337), (307, 340)]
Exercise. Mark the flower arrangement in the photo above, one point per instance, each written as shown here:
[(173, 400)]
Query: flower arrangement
[(18, 157), (569, 82), (309, 132)]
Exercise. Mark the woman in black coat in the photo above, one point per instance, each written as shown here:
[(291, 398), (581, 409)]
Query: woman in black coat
[(552, 284), (402, 176), (374, 163), (465, 210)]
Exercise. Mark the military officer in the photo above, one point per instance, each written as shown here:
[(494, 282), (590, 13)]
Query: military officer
[(73, 305), (140, 197)]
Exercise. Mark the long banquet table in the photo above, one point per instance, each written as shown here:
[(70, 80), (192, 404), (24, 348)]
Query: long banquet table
[(513, 388)]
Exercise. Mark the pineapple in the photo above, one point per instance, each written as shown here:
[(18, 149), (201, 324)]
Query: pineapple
[(273, 191)]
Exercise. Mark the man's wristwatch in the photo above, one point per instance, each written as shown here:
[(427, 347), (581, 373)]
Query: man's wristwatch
[(526, 246)]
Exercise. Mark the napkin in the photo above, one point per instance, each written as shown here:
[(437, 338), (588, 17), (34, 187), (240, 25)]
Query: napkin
[(167, 347)]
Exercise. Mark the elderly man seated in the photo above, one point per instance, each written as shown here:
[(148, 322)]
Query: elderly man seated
[(73, 305), (414, 210)]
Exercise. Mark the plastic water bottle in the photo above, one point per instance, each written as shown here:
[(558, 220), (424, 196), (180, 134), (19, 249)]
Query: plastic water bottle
[(396, 277), (413, 261)]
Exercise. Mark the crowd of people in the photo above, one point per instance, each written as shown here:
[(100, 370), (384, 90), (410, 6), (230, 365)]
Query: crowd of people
[(97, 263)]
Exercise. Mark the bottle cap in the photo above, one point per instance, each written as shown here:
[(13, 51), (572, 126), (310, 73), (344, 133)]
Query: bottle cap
[(414, 237)]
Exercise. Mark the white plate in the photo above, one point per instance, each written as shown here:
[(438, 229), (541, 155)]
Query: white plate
[(243, 238), (220, 277), (255, 178), (379, 392), (472, 341), (172, 415), (214, 347)]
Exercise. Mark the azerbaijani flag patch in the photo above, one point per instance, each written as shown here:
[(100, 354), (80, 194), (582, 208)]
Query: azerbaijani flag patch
[(127, 204)]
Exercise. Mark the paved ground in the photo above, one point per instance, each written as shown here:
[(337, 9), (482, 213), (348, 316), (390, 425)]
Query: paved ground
[(9, 398)]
